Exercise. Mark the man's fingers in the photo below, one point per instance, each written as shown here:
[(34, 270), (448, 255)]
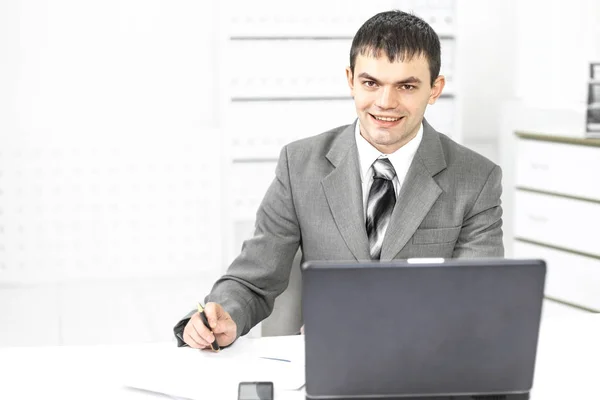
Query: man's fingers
[(192, 338), (201, 330), (194, 342), (221, 323), (214, 312)]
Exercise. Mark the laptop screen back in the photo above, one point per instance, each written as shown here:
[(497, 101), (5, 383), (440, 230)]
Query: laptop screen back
[(393, 329)]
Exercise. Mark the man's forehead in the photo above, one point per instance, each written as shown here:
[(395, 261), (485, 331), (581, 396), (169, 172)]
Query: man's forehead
[(416, 65)]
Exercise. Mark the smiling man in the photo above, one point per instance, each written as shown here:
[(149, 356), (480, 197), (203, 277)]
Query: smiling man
[(388, 186), (391, 96)]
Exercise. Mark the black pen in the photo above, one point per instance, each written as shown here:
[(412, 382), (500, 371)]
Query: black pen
[(214, 345)]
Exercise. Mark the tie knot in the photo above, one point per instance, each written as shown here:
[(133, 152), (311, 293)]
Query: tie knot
[(383, 168)]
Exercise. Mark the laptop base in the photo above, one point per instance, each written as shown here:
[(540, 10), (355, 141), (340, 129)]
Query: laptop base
[(514, 396)]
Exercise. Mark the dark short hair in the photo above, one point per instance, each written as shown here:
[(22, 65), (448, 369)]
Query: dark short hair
[(401, 36)]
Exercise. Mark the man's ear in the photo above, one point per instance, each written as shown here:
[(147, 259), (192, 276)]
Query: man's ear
[(437, 88), (350, 78)]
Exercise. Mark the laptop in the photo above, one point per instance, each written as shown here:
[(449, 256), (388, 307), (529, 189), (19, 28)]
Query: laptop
[(422, 329)]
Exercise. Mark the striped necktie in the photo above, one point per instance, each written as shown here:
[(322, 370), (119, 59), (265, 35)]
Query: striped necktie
[(380, 204)]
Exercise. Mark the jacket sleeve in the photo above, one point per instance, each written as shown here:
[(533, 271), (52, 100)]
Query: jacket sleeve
[(261, 272)]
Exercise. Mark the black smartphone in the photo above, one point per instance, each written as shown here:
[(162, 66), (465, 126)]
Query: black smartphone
[(255, 391)]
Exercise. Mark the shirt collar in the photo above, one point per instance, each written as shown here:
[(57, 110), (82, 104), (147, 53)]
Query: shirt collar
[(400, 159)]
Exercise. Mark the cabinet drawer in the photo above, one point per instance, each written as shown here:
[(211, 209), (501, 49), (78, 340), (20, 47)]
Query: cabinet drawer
[(557, 221), (570, 277), (558, 167)]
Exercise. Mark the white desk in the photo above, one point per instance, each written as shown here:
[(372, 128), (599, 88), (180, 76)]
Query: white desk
[(568, 366)]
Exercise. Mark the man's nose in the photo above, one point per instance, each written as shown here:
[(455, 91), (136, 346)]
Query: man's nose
[(387, 98)]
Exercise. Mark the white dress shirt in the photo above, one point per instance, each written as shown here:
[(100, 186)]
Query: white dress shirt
[(400, 159)]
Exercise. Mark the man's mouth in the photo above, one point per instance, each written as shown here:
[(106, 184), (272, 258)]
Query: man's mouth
[(385, 118)]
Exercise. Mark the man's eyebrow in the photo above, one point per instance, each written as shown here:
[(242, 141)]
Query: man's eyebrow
[(411, 79), (367, 76)]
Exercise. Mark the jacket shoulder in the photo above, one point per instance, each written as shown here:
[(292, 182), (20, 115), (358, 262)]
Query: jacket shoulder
[(464, 158)]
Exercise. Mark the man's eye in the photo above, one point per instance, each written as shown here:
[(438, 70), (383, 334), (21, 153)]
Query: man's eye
[(408, 87), (369, 84)]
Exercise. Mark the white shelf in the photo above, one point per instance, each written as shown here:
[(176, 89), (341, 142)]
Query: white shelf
[(557, 209)]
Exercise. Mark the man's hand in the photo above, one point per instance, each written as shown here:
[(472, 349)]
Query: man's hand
[(198, 336)]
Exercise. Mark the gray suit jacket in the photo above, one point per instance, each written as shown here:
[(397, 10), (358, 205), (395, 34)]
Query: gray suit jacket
[(449, 206)]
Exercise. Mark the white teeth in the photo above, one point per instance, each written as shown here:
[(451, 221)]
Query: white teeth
[(386, 119)]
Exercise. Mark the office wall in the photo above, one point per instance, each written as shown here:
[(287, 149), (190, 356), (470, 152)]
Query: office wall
[(532, 53), (110, 186), (486, 58), (556, 41)]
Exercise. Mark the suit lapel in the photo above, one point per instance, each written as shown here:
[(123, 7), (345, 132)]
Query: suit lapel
[(343, 191), (418, 194)]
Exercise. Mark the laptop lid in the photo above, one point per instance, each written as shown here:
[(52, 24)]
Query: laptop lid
[(394, 329)]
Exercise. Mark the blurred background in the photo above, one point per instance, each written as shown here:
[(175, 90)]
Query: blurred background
[(137, 138)]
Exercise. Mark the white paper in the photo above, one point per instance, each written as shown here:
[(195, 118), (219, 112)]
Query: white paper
[(195, 374)]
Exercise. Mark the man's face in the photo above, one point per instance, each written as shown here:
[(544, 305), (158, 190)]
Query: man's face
[(391, 98)]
